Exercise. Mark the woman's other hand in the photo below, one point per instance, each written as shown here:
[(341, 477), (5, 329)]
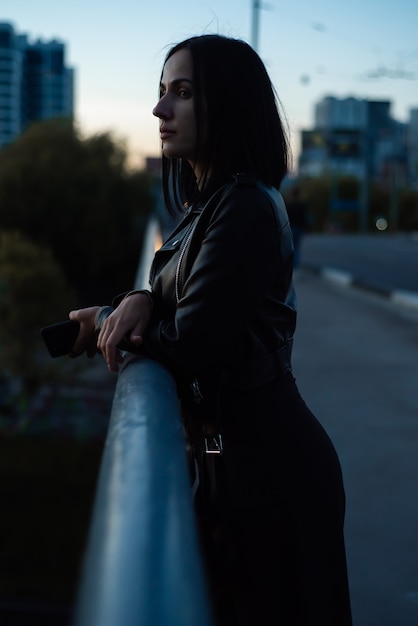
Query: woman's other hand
[(86, 340), (127, 322)]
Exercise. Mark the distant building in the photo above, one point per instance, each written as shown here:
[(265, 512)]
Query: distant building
[(35, 83), (355, 137), (412, 143), (349, 113)]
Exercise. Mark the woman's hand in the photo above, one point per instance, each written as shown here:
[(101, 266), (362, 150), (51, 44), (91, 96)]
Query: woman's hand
[(127, 322), (86, 340)]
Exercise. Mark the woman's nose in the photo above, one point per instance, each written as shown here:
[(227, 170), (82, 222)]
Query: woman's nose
[(161, 110)]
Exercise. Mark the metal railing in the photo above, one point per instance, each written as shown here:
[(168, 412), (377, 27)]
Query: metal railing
[(143, 565)]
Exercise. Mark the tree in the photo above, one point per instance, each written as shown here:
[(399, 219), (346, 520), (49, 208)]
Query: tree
[(76, 196), (316, 192), (408, 209)]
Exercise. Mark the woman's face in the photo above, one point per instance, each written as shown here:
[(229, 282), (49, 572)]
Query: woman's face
[(175, 109)]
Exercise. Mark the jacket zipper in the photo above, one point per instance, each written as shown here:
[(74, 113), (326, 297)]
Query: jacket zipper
[(197, 394), (182, 253)]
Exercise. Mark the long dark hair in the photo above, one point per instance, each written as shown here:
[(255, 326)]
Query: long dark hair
[(239, 128)]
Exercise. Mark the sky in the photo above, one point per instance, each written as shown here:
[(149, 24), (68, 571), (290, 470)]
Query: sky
[(365, 49)]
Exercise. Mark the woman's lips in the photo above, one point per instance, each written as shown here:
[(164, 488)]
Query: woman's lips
[(166, 134)]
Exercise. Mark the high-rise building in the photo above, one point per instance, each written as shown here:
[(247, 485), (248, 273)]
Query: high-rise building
[(349, 113), (35, 83), (354, 137)]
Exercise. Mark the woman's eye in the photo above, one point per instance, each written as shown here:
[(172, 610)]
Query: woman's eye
[(184, 93)]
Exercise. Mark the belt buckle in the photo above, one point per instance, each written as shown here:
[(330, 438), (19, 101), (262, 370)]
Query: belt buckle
[(213, 444)]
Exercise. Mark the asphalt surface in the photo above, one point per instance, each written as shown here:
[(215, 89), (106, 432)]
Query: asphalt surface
[(384, 263), (356, 364)]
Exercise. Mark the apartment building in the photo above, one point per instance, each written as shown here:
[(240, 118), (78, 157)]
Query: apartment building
[(355, 137), (35, 82)]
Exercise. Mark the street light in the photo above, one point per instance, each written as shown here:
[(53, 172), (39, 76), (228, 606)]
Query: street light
[(255, 23)]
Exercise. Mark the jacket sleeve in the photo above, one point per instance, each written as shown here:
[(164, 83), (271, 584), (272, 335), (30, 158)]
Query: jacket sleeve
[(238, 263)]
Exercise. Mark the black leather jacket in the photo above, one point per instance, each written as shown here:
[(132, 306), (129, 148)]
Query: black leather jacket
[(224, 303)]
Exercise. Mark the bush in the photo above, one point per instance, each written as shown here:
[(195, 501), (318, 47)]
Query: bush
[(33, 293)]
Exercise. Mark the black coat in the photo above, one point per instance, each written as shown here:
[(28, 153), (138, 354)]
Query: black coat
[(271, 507)]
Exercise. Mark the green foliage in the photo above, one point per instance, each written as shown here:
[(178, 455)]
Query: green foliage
[(378, 204), (33, 292), (318, 193), (408, 209), (399, 207), (76, 197)]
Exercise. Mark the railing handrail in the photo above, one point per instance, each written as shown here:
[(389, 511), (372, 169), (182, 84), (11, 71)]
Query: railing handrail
[(143, 565)]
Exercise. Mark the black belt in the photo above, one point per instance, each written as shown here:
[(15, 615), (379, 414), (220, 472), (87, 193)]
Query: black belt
[(261, 371)]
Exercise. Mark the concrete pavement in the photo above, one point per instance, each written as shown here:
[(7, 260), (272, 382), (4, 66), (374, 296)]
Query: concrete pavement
[(356, 364)]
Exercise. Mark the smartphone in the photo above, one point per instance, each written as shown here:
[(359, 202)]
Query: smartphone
[(60, 338)]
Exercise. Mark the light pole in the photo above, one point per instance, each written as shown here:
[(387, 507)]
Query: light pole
[(255, 23), (364, 189)]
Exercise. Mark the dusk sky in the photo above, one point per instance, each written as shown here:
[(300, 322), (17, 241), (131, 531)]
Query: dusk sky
[(362, 49)]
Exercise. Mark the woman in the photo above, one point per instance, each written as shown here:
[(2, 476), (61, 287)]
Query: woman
[(221, 317)]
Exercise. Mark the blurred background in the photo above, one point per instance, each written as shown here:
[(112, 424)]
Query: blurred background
[(79, 180)]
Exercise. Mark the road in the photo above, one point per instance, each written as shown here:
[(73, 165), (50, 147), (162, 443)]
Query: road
[(356, 364), (384, 262)]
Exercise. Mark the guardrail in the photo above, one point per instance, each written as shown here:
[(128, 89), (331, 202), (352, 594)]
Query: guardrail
[(143, 565)]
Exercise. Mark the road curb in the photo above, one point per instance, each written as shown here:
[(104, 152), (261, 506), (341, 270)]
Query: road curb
[(408, 299), (405, 298)]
